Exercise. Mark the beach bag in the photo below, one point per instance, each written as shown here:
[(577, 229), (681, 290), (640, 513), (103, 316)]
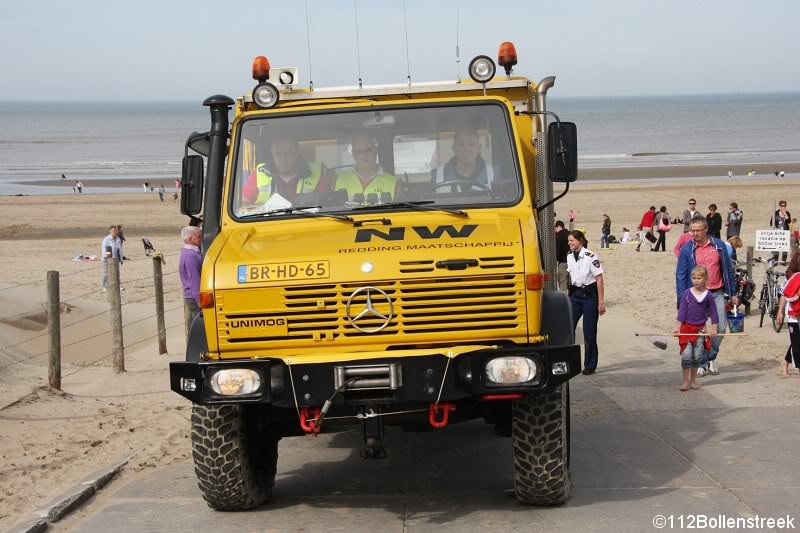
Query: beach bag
[(664, 224)]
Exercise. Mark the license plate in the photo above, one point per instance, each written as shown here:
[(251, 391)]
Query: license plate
[(283, 271)]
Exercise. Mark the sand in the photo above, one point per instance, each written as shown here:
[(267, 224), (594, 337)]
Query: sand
[(51, 440)]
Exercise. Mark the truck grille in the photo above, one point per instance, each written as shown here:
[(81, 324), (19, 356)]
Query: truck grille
[(424, 309)]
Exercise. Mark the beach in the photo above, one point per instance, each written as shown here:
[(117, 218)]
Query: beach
[(52, 439)]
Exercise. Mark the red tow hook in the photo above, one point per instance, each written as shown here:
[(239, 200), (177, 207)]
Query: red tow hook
[(311, 414), (445, 408)]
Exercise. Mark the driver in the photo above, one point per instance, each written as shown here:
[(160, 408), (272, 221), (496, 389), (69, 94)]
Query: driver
[(288, 175), (367, 176), (466, 165)]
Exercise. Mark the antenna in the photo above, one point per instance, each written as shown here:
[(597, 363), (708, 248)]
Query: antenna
[(308, 47), (358, 49), (458, 57), (405, 27)]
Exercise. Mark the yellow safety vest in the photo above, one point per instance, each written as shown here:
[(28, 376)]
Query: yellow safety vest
[(307, 184), (352, 183)]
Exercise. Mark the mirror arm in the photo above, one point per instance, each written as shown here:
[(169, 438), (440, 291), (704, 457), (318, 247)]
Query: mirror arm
[(561, 150), (554, 200)]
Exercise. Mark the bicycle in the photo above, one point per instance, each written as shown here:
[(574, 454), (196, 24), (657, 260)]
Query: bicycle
[(770, 293)]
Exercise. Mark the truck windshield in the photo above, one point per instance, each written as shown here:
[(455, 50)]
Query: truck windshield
[(451, 157)]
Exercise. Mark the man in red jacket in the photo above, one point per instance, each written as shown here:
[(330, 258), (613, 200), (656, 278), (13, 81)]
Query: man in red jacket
[(646, 226)]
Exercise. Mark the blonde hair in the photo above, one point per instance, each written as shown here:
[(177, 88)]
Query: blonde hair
[(700, 269), (735, 242)]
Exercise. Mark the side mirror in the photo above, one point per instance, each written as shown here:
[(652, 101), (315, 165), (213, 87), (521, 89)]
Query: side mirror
[(192, 185), (562, 152), (199, 143)]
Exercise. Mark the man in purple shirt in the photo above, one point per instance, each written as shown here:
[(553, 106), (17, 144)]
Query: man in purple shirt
[(189, 269)]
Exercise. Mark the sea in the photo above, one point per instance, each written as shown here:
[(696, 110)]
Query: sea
[(145, 140)]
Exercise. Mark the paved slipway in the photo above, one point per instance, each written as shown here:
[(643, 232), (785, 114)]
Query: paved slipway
[(640, 448)]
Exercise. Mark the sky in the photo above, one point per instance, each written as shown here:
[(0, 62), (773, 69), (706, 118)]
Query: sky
[(147, 50)]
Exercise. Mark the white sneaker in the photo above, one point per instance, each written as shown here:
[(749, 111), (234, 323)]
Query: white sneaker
[(713, 368), (701, 372), (103, 289)]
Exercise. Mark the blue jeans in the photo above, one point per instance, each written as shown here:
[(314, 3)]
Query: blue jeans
[(711, 355), (604, 240), (693, 353), (585, 305)]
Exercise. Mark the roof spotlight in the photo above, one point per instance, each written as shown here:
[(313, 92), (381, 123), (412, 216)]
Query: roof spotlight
[(286, 78), (266, 95), (482, 69)]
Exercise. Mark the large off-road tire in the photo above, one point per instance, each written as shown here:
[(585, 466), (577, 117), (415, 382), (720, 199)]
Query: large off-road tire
[(540, 439), (235, 457)]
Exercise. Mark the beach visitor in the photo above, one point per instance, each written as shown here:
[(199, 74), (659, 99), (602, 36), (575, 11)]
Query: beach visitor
[(177, 185), (110, 250), (714, 221), (789, 307), (161, 192), (626, 235), (562, 249), (605, 231), (689, 214), (712, 254), (646, 226), (63, 177), (695, 307), (730, 173), (79, 185), (144, 186), (586, 294), (734, 243), (734, 222), (571, 216), (683, 238), (781, 220), (663, 225), (189, 265)]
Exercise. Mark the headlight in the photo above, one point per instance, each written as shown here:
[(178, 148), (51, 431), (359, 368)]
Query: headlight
[(235, 382), (511, 370), (482, 69), (266, 95)]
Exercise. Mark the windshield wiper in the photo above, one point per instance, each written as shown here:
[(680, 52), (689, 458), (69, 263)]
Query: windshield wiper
[(300, 211), (420, 205)]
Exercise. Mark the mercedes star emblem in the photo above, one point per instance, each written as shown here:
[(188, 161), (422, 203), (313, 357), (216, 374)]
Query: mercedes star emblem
[(369, 310)]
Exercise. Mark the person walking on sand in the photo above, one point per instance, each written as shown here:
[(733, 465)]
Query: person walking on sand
[(586, 294), (714, 221), (646, 226), (781, 220), (605, 231), (689, 214), (734, 222), (663, 225), (712, 254), (79, 185), (789, 307), (161, 192), (562, 249), (110, 250), (696, 305), (189, 265), (63, 177)]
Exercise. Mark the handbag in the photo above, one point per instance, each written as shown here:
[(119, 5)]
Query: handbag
[(664, 224)]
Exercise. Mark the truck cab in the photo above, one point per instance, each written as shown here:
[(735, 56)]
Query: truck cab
[(375, 257)]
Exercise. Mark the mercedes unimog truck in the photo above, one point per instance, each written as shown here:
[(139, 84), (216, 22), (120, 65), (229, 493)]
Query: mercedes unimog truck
[(378, 257)]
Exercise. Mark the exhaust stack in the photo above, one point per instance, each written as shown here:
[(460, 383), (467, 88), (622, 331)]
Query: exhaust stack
[(544, 187)]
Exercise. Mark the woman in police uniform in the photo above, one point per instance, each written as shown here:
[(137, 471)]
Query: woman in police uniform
[(585, 294)]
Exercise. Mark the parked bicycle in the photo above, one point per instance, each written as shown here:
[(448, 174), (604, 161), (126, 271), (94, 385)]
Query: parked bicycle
[(770, 292)]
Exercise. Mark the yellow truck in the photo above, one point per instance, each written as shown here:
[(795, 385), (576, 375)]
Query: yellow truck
[(374, 257)]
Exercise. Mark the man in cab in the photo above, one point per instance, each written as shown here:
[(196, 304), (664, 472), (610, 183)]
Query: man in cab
[(466, 166), (288, 174), (367, 177)]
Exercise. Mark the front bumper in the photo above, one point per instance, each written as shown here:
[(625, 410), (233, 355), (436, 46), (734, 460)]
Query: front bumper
[(423, 378)]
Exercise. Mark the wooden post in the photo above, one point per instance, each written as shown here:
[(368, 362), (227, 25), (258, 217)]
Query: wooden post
[(114, 300), (749, 276), (158, 283), (54, 329)]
